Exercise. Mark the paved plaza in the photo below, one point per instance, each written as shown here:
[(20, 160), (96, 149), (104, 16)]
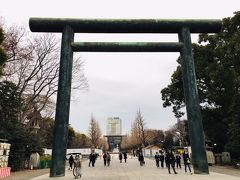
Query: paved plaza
[(133, 171)]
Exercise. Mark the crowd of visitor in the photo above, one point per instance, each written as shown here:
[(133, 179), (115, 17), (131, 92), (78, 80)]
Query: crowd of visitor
[(169, 159)]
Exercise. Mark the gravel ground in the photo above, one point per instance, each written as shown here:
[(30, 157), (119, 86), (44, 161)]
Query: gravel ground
[(26, 174)]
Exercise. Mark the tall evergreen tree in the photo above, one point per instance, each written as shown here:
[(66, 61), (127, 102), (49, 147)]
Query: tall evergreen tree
[(217, 67), (21, 139), (233, 144)]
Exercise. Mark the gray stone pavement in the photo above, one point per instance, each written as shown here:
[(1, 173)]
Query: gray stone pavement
[(133, 171)]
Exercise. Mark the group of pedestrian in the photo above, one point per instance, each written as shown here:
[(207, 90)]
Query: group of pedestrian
[(159, 157), (74, 162), (122, 156), (106, 159), (172, 160)]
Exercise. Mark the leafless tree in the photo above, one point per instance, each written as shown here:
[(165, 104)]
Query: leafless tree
[(141, 127), (138, 130), (33, 65), (154, 136), (125, 143), (94, 132), (103, 144), (135, 135), (179, 131), (130, 141)]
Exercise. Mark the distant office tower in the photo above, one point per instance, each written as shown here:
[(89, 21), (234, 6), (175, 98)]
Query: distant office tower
[(114, 126)]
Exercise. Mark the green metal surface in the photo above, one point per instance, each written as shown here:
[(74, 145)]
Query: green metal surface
[(199, 158), (126, 47), (63, 105), (125, 25)]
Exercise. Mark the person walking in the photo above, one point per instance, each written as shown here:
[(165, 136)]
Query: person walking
[(105, 159), (120, 157), (92, 159), (77, 166), (71, 161), (170, 161), (157, 159), (125, 157), (161, 159), (186, 160), (141, 159), (178, 160), (108, 159)]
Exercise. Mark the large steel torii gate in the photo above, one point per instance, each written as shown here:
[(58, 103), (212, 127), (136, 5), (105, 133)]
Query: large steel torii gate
[(70, 26)]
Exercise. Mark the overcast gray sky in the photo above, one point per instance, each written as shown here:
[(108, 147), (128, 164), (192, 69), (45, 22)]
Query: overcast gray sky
[(121, 83)]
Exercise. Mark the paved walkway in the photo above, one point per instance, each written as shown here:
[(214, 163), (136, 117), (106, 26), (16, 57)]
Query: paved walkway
[(133, 171)]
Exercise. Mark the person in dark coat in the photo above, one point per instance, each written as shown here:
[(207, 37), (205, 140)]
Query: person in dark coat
[(71, 161), (170, 161), (162, 159), (178, 160), (141, 159), (105, 159), (186, 160), (108, 159), (92, 159), (125, 156), (157, 159), (120, 157)]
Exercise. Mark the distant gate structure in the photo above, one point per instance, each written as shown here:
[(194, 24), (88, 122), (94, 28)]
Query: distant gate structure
[(183, 28)]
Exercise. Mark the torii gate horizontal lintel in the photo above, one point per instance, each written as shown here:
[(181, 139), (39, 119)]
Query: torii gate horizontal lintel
[(125, 25), (127, 46)]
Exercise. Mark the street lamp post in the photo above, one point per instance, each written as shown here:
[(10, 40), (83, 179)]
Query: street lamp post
[(215, 150), (179, 138)]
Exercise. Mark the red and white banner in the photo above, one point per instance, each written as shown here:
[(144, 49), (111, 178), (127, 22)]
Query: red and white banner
[(5, 172)]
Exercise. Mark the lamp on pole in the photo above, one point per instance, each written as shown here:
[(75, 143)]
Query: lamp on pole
[(215, 148), (179, 138)]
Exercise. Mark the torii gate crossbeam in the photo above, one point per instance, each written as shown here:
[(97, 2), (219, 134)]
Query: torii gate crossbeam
[(183, 28)]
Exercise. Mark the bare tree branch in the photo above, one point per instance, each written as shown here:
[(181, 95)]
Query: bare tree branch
[(33, 65)]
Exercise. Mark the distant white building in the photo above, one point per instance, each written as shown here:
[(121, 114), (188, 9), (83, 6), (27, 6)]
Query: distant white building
[(114, 126), (114, 132)]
